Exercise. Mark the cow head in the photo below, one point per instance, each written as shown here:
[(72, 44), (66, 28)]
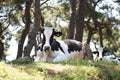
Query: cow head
[(95, 55), (48, 36), (98, 55), (100, 50)]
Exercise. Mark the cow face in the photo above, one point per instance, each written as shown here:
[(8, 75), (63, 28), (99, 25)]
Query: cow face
[(48, 37), (95, 55), (98, 55), (100, 50)]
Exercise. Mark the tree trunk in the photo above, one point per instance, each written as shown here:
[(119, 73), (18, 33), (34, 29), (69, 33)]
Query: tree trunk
[(1, 50), (26, 30), (89, 35), (32, 35), (100, 34), (72, 19), (97, 25), (80, 20)]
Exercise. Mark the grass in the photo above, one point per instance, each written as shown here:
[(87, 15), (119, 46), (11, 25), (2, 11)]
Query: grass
[(68, 70)]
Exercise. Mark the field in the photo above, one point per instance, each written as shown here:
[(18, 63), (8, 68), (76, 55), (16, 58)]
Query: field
[(68, 70)]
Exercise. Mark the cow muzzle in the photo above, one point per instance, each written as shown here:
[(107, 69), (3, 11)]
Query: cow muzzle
[(100, 59), (46, 48)]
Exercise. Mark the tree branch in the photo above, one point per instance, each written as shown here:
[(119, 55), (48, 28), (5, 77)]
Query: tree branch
[(43, 2)]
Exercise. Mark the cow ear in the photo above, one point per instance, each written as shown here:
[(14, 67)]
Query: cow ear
[(42, 29), (58, 33)]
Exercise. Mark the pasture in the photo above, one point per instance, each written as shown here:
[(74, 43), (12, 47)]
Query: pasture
[(67, 70)]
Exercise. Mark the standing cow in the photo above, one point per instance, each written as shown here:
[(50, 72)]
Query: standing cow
[(54, 50)]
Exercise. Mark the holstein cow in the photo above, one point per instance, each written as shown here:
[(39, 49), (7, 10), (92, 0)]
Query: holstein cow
[(98, 55), (105, 55), (54, 50)]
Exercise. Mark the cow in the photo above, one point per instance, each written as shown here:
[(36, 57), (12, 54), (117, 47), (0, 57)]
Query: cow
[(99, 53), (105, 55), (56, 50)]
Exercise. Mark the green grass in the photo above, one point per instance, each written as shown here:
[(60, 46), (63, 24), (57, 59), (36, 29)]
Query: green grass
[(72, 70)]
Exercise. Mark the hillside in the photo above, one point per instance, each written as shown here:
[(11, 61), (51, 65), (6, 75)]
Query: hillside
[(71, 70)]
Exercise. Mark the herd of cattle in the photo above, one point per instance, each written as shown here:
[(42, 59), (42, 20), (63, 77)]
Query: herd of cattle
[(53, 50)]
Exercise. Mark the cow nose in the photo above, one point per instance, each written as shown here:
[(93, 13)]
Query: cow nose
[(46, 48), (100, 59)]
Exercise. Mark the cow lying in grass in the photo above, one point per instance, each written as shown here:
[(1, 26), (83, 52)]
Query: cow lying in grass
[(54, 50), (105, 55)]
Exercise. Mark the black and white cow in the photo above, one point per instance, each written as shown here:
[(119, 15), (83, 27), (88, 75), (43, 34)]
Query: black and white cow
[(54, 50), (99, 53), (105, 55)]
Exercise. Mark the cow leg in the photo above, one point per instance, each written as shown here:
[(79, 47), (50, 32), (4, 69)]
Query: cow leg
[(44, 58), (59, 58), (37, 57), (41, 56)]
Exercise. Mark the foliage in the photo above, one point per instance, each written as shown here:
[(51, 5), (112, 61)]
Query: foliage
[(55, 13), (10, 19)]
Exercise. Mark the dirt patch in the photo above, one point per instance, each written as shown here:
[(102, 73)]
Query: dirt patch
[(56, 69)]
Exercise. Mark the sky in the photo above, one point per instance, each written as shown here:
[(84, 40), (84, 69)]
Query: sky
[(12, 51)]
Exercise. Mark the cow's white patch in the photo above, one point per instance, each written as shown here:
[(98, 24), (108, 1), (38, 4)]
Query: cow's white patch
[(109, 57), (47, 33), (64, 46), (70, 56), (95, 57), (100, 50)]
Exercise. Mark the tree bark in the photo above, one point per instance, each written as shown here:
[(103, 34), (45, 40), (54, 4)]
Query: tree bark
[(32, 35), (72, 19), (90, 30), (100, 34), (1, 50), (97, 25), (80, 20), (26, 29), (89, 35)]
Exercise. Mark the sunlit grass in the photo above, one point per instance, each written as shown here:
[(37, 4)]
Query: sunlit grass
[(67, 70)]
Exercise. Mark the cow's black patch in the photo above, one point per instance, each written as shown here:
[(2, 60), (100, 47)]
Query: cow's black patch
[(119, 59), (72, 46), (96, 52), (113, 58), (56, 46), (43, 42), (38, 48)]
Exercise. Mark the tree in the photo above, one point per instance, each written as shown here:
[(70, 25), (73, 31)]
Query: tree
[(1, 50), (26, 29), (80, 20), (10, 12), (32, 34), (72, 19), (90, 30), (94, 15)]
